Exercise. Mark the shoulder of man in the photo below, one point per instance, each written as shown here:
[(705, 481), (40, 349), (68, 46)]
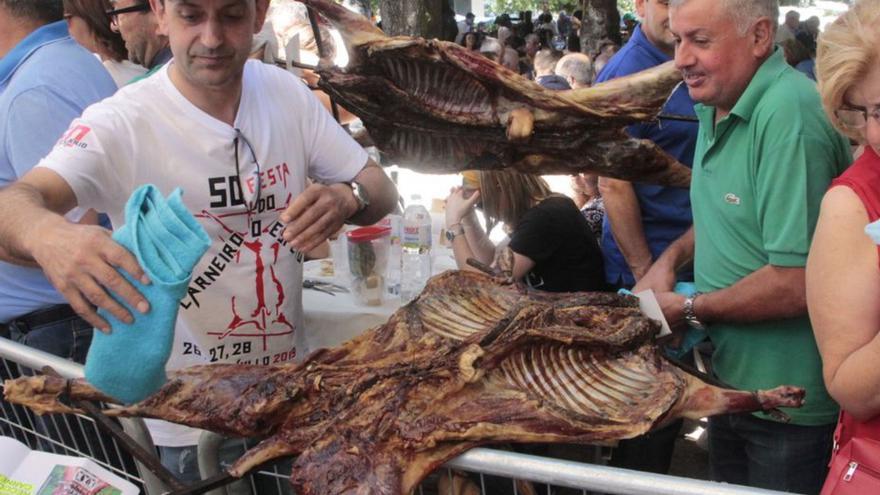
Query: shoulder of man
[(67, 69), (631, 58)]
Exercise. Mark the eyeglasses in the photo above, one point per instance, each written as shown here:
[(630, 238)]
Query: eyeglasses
[(856, 118), (138, 7), (258, 189)]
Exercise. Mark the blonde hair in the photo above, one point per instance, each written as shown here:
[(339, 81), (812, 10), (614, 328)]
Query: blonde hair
[(522, 191), (847, 51)]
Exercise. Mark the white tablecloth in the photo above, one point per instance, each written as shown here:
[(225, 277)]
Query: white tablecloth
[(331, 320)]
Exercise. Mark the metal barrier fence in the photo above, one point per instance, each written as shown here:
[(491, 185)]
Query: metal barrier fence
[(78, 435)]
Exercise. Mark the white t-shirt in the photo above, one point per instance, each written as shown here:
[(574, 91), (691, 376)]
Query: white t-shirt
[(245, 299)]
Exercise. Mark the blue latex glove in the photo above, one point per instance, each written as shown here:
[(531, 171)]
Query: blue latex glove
[(692, 336), (129, 363)]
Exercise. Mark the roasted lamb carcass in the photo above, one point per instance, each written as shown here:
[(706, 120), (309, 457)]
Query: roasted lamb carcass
[(437, 107), (468, 363)]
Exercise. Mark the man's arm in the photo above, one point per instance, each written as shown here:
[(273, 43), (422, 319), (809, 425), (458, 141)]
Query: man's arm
[(79, 260), (769, 293), (321, 209), (661, 276), (625, 217)]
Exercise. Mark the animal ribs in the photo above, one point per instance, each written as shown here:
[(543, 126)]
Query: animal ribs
[(468, 363), (437, 107)]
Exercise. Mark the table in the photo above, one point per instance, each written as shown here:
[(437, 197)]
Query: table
[(331, 320)]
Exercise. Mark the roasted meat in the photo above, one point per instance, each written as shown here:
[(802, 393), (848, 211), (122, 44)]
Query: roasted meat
[(437, 107), (469, 362)]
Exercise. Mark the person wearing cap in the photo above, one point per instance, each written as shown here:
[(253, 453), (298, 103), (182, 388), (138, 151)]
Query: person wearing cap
[(240, 138), (630, 22), (46, 80)]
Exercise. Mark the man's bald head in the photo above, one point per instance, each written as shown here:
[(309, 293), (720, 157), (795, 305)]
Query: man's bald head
[(577, 69)]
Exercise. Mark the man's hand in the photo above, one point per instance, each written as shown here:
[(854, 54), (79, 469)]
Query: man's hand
[(672, 305), (316, 214), (659, 278), (81, 262)]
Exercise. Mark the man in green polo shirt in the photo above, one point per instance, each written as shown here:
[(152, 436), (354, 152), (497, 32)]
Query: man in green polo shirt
[(765, 155)]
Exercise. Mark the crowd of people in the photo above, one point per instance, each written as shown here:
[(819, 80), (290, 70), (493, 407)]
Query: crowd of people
[(99, 97)]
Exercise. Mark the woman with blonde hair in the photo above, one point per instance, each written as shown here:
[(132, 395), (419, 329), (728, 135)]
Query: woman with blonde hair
[(843, 269), (552, 245)]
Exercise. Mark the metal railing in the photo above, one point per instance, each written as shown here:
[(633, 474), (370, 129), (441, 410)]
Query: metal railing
[(69, 434), (81, 432)]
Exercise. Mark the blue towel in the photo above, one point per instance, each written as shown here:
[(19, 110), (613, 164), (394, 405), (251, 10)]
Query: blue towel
[(129, 363)]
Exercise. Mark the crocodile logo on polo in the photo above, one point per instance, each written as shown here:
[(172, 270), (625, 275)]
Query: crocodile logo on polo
[(732, 199)]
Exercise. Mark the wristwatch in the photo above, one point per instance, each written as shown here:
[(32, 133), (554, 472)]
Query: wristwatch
[(451, 233), (360, 195), (689, 314)]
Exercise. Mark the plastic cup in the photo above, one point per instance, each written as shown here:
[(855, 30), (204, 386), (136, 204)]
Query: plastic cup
[(368, 249), (339, 254)]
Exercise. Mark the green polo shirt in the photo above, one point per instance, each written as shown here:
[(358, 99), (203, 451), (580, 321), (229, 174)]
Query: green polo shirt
[(758, 179)]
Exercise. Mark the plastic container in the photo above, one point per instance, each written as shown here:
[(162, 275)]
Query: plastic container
[(415, 250), (392, 276), (368, 249), (339, 254)]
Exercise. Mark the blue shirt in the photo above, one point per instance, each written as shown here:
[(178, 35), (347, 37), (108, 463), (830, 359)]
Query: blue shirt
[(666, 211), (46, 81)]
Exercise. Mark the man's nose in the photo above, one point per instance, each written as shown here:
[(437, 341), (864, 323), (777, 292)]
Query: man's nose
[(684, 57), (212, 33)]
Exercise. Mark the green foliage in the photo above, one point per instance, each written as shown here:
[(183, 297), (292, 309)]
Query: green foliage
[(511, 6)]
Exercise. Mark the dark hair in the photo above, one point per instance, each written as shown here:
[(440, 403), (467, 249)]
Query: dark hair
[(573, 42), (545, 18), (37, 10), (503, 20), (93, 12), (578, 14), (546, 37), (478, 39)]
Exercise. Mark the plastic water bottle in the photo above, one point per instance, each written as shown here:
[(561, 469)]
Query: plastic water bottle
[(392, 278), (416, 250)]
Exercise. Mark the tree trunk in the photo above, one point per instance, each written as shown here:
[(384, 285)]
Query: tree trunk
[(600, 26), (424, 18)]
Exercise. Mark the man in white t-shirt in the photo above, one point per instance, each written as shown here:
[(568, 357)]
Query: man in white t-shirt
[(240, 139)]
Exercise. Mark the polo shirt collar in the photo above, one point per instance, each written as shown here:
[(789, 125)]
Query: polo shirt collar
[(639, 38), (40, 37), (768, 72)]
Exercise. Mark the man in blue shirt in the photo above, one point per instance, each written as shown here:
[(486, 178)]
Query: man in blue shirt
[(46, 80), (642, 220)]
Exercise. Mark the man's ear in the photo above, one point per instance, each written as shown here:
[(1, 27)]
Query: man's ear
[(763, 38), (158, 7), (262, 7)]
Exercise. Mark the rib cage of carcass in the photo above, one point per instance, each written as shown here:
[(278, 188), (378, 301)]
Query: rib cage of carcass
[(469, 362), (437, 107)]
